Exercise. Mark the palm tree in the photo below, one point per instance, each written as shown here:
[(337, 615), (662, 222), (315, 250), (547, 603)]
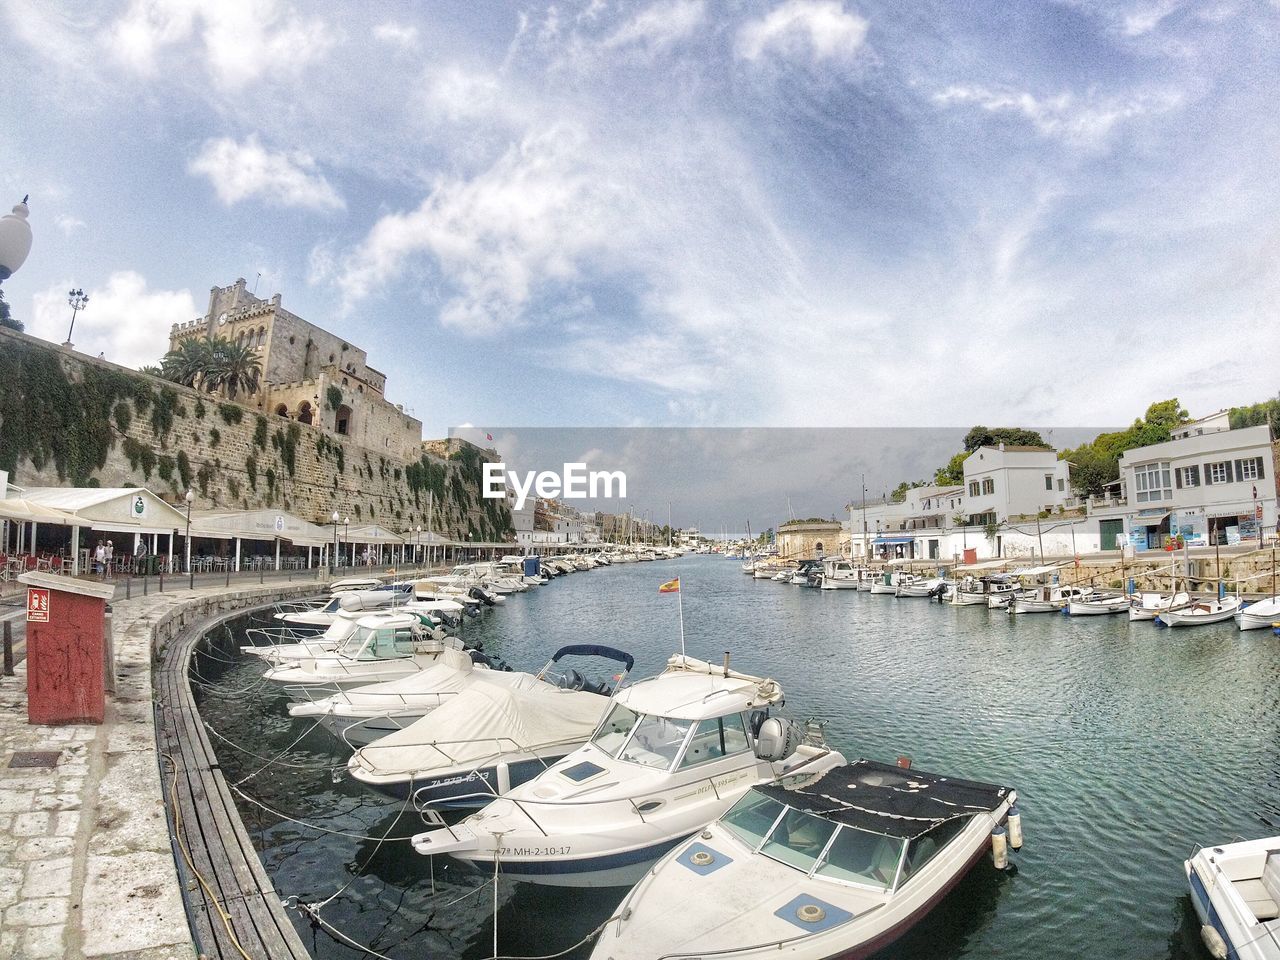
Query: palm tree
[(152, 370), (233, 366), (189, 363)]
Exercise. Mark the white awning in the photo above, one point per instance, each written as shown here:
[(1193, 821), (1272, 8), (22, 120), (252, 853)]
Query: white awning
[(119, 509), (258, 525), (984, 565)]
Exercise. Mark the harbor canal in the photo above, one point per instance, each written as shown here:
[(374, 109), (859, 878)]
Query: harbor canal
[(1127, 743)]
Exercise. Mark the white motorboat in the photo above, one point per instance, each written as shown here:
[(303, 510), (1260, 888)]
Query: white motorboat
[(1096, 605), (838, 574), (973, 592), (1200, 613), (1047, 599), (1235, 890), (361, 715), (1147, 606), (382, 647), (836, 868), (675, 752), (919, 587), (886, 583), (318, 617), (487, 739), (287, 645), (355, 583), (1260, 614)]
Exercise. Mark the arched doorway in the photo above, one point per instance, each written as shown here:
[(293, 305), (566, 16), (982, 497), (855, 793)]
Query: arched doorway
[(282, 410), (305, 414), (342, 420)]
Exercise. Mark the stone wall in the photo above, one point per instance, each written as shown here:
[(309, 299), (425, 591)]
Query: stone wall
[(67, 419)]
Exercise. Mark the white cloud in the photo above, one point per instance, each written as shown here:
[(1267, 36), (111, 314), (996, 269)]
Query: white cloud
[(1145, 18), (819, 28), (1083, 121), (396, 34), (123, 319), (660, 25), (242, 170), (68, 224), (495, 236), (242, 40)]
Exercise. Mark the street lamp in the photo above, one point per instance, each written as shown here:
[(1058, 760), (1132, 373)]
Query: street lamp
[(77, 299), (191, 574), (346, 532), (468, 545), (333, 559), (15, 240), (417, 544)]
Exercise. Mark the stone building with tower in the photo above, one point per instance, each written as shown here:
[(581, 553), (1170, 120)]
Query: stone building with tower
[(308, 374)]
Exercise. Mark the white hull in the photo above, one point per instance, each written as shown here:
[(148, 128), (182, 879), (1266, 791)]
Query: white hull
[(1260, 615), (1098, 608), (843, 584), (1201, 614), (1235, 889)]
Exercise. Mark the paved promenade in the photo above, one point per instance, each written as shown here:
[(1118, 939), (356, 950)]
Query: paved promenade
[(86, 864)]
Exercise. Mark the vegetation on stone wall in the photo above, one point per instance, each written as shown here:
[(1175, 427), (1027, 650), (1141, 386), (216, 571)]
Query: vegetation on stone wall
[(260, 432), (286, 441), (251, 470), (230, 413), (332, 397), (123, 416), (140, 456), (184, 470), (214, 436)]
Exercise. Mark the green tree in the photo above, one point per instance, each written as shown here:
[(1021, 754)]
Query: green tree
[(1256, 414), (1097, 463), (952, 473), (994, 436), (6, 317)]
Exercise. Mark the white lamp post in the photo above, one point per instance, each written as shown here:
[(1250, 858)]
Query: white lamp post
[(15, 240), (191, 574), (333, 559)]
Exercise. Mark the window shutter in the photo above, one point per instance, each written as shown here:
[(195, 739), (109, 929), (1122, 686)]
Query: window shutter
[(1230, 476), (1177, 478), (1208, 474), (1261, 474)]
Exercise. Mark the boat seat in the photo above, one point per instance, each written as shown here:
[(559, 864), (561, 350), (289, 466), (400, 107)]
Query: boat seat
[(1270, 883), (1256, 897)]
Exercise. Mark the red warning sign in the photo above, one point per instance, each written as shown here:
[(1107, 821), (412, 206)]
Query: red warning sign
[(37, 605)]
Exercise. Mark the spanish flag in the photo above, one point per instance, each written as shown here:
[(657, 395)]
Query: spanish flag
[(671, 586)]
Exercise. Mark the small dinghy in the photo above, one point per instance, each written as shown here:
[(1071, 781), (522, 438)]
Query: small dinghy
[(919, 587), (481, 743), (1235, 889), (1200, 613), (1260, 614), (835, 868), (1096, 606), (675, 752), (1148, 606)]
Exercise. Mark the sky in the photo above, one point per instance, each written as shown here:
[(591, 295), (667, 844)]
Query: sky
[(806, 213)]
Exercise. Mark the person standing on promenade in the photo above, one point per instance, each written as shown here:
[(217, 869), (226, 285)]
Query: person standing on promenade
[(99, 558), (110, 553)]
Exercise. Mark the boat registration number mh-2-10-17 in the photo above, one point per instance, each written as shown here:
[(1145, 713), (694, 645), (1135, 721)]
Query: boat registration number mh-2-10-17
[(536, 851)]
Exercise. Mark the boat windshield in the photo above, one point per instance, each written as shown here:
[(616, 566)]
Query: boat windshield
[(814, 845), (379, 643), (641, 738), (613, 733)]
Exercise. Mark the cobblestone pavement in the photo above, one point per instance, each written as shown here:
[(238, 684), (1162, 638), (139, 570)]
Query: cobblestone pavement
[(86, 865)]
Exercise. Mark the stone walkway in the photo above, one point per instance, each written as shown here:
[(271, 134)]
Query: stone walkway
[(86, 863)]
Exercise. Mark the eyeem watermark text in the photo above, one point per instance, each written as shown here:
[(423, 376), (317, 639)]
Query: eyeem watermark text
[(576, 482)]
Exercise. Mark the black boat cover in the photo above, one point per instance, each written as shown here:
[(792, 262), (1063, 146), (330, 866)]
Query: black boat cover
[(889, 800)]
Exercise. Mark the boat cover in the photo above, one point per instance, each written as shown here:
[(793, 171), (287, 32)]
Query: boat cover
[(451, 672), (486, 720), (889, 800)]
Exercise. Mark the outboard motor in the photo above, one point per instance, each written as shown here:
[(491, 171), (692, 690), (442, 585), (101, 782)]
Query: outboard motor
[(778, 739), (572, 680), (938, 592), (476, 593)]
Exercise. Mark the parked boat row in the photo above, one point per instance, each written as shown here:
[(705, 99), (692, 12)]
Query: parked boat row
[(1025, 591), (741, 828)]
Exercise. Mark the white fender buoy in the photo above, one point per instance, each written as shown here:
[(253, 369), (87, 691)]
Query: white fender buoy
[(1213, 942), (1015, 827), (1000, 848)]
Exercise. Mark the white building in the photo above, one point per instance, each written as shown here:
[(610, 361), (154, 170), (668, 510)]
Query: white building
[(1207, 484), (1013, 481)]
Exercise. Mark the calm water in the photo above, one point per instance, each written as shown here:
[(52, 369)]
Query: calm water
[(1127, 744)]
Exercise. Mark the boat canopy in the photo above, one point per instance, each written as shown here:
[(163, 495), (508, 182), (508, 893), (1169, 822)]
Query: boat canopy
[(889, 800), (484, 721)]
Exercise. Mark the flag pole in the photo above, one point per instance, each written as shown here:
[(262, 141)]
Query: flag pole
[(680, 607)]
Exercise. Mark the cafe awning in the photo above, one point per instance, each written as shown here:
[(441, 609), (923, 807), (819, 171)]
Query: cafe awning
[(28, 511), (258, 525), (119, 509)]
